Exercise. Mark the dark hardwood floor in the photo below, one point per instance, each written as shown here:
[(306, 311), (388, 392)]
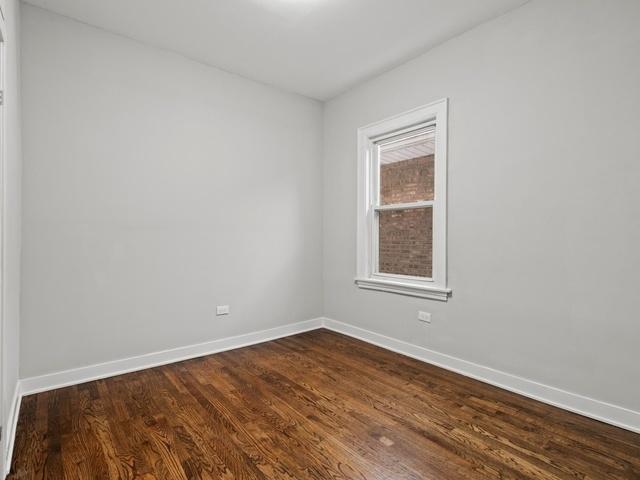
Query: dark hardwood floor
[(313, 406)]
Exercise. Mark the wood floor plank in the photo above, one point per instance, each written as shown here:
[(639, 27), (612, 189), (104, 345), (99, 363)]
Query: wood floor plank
[(318, 405), (370, 397), (291, 403), (345, 420), (454, 429)]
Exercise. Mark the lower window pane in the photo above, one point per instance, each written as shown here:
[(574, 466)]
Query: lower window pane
[(405, 242)]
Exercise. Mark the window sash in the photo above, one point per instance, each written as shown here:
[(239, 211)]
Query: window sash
[(375, 247), (374, 155), (405, 136)]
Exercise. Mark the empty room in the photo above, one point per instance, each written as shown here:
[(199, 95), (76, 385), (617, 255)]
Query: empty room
[(320, 239)]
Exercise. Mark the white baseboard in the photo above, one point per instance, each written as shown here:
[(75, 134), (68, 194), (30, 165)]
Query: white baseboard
[(12, 424), (588, 407), (75, 376)]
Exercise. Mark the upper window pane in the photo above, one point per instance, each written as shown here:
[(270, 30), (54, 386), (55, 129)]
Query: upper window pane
[(407, 168)]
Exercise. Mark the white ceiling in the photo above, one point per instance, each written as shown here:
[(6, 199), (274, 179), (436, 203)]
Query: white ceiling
[(408, 152), (318, 48)]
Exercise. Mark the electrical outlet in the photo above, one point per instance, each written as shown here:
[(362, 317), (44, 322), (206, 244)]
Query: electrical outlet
[(222, 310), (424, 317)]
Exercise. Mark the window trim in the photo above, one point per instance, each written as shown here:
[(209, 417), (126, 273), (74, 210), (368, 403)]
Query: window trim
[(369, 136)]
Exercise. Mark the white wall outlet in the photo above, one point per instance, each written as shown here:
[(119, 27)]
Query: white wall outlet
[(222, 310), (424, 317)]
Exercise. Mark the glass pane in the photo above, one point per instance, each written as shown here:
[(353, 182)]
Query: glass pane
[(406, 169), (405, 242)]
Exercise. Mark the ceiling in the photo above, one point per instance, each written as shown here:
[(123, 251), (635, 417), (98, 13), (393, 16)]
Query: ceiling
[(318, 48), (422, 148)]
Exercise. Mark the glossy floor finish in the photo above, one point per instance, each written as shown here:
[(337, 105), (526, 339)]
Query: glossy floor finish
[(317, 405)]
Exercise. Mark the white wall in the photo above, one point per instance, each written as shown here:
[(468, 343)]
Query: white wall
[(11, 281), (544, 199), (154, 189)]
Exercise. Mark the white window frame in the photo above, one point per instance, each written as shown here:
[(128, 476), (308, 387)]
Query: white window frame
[(433, 115)]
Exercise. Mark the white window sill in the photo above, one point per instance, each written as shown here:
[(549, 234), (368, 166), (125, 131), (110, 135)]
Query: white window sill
[(404, 288)]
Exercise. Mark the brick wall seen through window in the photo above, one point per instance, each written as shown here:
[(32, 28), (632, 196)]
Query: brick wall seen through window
[(405, 237)]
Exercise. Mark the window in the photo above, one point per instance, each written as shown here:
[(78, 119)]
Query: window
[(402, 203)]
